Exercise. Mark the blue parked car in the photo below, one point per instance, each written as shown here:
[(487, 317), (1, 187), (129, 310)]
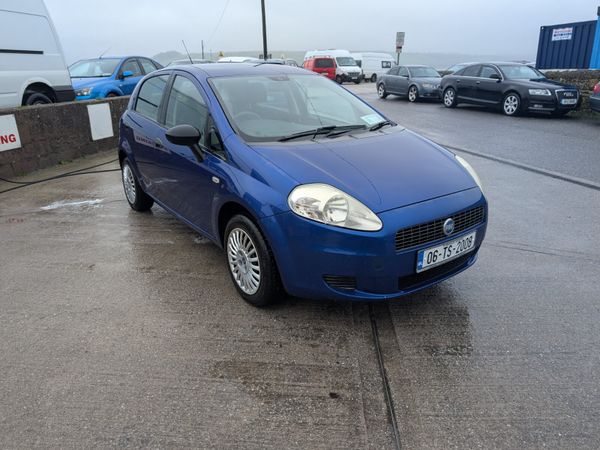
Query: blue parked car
[(308, 189), (109, 77)]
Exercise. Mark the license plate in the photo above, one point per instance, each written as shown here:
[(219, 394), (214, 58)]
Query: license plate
[(568, 101), (440, 254)]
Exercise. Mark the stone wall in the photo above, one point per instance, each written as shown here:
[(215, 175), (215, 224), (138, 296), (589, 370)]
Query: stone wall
[(53, 133)]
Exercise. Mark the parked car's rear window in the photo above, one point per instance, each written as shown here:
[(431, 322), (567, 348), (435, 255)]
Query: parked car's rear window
[(323, 63), (150, 96)]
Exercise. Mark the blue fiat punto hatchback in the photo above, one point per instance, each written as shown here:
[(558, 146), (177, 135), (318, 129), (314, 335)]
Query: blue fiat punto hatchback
[(308, 189)]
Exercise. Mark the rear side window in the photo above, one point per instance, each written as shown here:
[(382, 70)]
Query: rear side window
[(324, 63), (393, 71), (150, 96), (471, 71), (186, 106), (403, 72), (147, 65)]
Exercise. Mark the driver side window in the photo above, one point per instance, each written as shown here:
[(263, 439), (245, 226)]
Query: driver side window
[(186, 106), (487, 72)]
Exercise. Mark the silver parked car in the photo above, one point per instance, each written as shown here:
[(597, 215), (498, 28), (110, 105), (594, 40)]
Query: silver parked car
[(412, 82)]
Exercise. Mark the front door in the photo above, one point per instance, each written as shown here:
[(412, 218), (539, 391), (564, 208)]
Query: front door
[(489, 89), (128, 84)]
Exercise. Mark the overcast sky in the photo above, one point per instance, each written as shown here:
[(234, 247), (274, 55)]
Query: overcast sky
[(470, 27)]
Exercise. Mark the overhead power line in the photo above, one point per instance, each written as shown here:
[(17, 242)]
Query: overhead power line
[(218, 22)]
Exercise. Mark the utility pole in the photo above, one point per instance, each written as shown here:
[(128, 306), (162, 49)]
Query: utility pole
[(264, 30), (202, 48)]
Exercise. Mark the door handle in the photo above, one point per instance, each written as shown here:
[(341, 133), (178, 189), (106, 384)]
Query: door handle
[(478, 82), (158, 143), (458, 81)]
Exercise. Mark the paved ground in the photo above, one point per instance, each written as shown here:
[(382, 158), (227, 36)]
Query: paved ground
[(120, 329)]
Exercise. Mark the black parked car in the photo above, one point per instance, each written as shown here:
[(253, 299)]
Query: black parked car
[(514, 87), (412, 82)]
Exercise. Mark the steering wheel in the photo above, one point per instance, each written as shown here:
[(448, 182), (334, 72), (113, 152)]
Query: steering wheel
[(246, 115)]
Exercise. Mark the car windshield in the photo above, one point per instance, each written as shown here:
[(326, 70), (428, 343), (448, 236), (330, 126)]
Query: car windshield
[(345, 61), (520, 72), (269, 108), (422, 72), (94, 68)]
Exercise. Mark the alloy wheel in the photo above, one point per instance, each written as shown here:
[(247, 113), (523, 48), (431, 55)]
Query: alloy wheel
[(243, 261), (129, 183), (511, 105), (412, 94), (381, 91), (449, 97)]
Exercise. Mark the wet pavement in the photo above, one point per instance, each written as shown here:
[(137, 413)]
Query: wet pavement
[(122, 330)]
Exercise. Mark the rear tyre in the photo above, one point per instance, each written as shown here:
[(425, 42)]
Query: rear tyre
[(373, 78), (413, 94), (449, 98), (111, 95), (381, 91), (251, 263), (511, 106), (37, 98), (136, 197)]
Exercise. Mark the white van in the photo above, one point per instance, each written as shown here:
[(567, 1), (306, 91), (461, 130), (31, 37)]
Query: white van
[(346, 67), (238, 59), (32, 65), (373, 64)]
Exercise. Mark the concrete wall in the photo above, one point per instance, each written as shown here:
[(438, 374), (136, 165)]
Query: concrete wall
[(50, 134)]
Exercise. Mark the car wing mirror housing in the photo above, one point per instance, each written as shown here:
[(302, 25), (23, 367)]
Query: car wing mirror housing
[(187, 136), (495, 76), (126, 74)]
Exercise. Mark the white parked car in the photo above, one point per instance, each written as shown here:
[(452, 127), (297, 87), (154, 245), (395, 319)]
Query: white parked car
[(346, 67), (32, 65), (374, 64)]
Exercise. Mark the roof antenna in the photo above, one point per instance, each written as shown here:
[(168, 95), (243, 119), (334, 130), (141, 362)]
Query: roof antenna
[(186, 50), (104, 52)]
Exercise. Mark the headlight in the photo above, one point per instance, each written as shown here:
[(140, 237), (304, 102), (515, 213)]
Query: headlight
[(471, 171), (430, 86), (545, 92), (328, 205), (84, 92)]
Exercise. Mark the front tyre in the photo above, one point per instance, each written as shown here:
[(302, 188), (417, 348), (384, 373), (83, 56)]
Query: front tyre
[(338, 79), (136, 197), (251, 263), (413, 94), (512, 104), (450, 98), (381, 91)]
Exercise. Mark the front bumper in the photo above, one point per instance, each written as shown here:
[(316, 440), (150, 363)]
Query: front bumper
[(429, 93), (549, 104), (308, 251)]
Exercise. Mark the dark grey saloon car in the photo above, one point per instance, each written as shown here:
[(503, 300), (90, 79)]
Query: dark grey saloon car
[(412, 82)]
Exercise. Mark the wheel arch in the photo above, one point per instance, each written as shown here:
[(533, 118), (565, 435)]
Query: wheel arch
[(38, 87), (227, 211)]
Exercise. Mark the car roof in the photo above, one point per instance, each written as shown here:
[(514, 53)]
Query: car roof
[(239, 69)]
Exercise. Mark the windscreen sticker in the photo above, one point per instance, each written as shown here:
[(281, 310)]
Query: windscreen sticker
[(372, 119)]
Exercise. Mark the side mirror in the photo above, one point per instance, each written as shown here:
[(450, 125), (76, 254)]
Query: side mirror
[(495, 76), (126, 74), (183, 135), (186, 135)]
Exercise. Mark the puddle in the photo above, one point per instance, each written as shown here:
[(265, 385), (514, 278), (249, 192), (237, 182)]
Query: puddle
[(70, 204)]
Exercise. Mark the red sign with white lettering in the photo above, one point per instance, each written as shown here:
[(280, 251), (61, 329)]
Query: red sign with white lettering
[(9, 134)]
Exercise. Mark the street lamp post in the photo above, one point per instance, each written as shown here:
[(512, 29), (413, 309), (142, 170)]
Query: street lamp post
[(264, 30)]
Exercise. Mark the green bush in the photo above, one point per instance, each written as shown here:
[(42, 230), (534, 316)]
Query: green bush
[(585, 80)]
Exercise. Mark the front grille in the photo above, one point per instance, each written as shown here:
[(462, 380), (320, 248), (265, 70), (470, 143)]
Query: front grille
[(341, 282), (352, 74), (416, 279), (432, 231), (567, 94)]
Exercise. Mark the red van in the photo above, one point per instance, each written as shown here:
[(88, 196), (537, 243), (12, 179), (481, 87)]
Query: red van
[(324, 65)]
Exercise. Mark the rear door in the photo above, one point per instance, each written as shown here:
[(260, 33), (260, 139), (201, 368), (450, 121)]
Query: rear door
[(326, 66), (143, 123), (466, 83), (390, 80), (128, 84), (402, 81)]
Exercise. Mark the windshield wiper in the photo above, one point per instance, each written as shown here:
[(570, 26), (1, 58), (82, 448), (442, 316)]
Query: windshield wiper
[(381, 124), (329, 131)]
